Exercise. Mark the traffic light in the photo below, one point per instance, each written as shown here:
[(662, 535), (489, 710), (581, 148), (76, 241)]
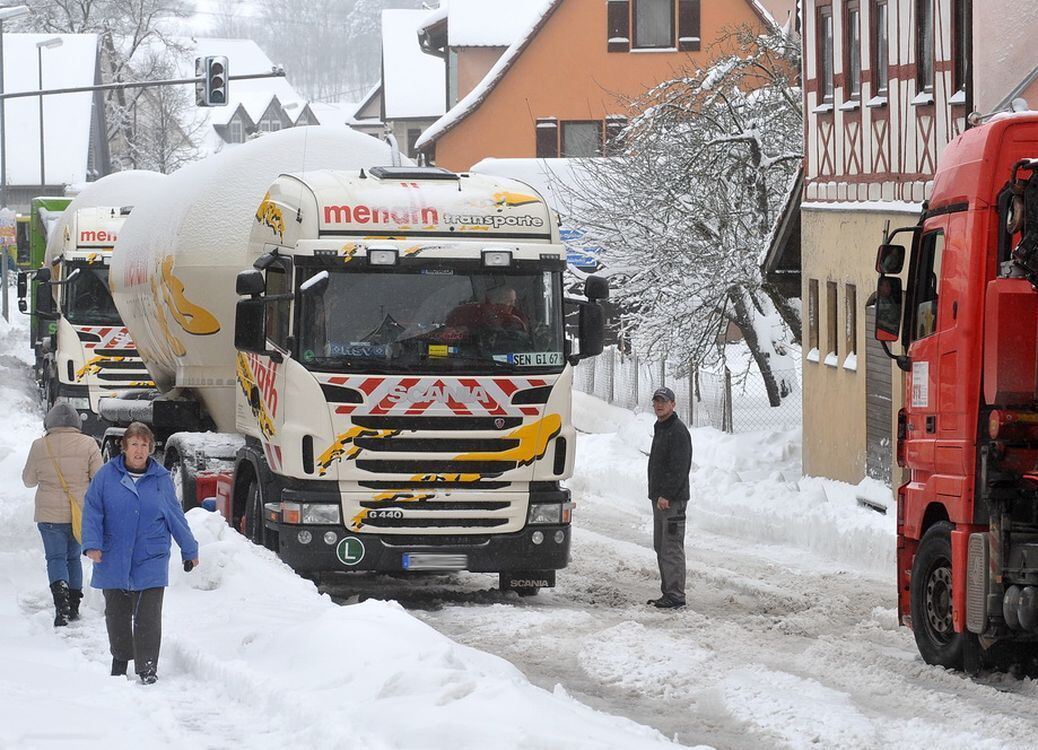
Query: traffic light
[(212, 91)]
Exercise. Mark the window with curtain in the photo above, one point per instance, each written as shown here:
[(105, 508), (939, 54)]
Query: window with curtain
[(653, 23), (924, 50), (852, 44), (581, 139), (825, 53), (880, 48)]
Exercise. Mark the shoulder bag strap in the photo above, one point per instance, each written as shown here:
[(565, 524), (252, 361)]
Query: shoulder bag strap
[(57, 470)]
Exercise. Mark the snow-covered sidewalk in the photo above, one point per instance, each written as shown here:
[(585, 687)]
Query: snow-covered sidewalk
[(253, 656)]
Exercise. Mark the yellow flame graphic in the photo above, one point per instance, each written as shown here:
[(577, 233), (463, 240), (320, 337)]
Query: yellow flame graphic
[(247, 381), (269, 215), (94, 365), (533, 443), (337, 449), (191, 317), (505, 198), (455, 478)]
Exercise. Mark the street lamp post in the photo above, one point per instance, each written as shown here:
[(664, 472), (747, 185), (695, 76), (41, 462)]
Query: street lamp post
[(48, 44), (6, 14)]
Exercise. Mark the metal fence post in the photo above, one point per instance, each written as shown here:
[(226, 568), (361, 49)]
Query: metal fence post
[(727, 422), (5, 263)]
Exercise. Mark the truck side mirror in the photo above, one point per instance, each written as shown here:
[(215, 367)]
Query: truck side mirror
[(250, 326), (890, 259), (42, 276), (592, 330), (596, 288), (249, 282), (888, 309)]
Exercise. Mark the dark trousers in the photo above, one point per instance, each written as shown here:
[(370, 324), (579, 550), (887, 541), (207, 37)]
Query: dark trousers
[(134, 620), (668, 539)]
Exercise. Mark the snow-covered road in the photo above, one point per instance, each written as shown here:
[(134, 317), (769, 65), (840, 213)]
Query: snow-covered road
[(779, 647)]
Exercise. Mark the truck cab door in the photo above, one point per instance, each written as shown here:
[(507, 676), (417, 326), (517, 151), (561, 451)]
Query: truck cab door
[(924, 325)]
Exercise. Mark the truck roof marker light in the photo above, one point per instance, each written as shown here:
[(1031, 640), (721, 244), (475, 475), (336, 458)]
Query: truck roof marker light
[(382, 256), (497, 258)]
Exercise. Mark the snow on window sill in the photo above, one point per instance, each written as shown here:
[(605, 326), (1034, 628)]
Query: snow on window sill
[(850, 362), (850, 106), (958, 98), (812, 356), (922, 99), (654, 49), (831, 359), (877, 101), (822, 109)]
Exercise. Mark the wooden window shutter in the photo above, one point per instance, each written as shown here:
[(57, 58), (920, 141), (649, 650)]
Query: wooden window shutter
[(688, 25), (547, 138), (614, 125), (619, 23)]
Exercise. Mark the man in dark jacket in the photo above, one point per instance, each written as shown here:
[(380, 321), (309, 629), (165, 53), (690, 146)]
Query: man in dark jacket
[(670, 460)]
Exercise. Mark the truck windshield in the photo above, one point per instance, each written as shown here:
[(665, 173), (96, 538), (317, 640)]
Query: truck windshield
[(87, 298), (433, 319)]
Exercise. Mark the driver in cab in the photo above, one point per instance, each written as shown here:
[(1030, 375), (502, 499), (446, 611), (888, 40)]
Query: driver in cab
[(498, 312)]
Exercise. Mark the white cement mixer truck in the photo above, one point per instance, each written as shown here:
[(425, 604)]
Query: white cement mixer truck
[(87, 354), (393, 368)]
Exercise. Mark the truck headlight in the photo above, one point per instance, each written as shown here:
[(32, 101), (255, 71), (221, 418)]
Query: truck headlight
[(321, 513), (543, 513), (77, 402)]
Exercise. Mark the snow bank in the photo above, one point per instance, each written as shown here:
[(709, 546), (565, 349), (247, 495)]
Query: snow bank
[(747, 486)]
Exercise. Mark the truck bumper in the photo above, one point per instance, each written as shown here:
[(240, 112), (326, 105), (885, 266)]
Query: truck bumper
[(345, 551)]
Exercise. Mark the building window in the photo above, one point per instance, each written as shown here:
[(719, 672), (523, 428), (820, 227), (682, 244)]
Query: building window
[(581, 139), (927, 285), (812, 319), (850, 300), (832, 335), (962, 49), (880, 49), (924, 49), (237, 131), (825, 53), (852, 50), (653, 23)]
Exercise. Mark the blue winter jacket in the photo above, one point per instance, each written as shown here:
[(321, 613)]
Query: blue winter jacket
[(131, 525)]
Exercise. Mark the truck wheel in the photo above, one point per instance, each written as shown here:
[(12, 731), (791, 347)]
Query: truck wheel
[(931, 600), (183, 479), (253, 525)]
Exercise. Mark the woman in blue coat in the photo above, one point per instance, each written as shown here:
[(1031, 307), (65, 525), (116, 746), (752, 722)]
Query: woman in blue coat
[(130, 511)]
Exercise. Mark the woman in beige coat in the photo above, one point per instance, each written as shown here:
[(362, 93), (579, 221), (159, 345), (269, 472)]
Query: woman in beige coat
[(62, 458)]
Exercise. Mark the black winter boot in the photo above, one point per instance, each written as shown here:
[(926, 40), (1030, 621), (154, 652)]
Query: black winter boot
[(61, 602), (75, 596)]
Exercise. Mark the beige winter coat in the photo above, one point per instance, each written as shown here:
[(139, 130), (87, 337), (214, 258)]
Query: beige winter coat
[(79, 458)]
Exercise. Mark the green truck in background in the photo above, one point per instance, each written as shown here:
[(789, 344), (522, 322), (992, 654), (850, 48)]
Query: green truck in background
[(31, 242)]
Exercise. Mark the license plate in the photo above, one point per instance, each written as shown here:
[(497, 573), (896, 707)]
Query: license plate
[(435, 562)]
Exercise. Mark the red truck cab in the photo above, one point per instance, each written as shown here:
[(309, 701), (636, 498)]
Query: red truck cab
[(967, 322)]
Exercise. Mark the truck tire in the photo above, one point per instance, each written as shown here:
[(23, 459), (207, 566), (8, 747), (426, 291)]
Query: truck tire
[(254, 527), (183, 479), (931, 600)]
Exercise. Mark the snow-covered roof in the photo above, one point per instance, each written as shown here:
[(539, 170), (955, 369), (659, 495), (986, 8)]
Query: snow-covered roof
[(495, 74), (489, 23), (414, 83), (66, 117), (333, 113)]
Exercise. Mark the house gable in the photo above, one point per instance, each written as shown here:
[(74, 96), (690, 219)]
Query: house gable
[(499, 118)]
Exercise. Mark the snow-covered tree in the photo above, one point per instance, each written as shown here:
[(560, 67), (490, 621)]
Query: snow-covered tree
[(137, 40), (685, 213)]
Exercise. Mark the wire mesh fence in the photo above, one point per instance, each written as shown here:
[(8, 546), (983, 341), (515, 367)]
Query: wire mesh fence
[(706, 397)]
